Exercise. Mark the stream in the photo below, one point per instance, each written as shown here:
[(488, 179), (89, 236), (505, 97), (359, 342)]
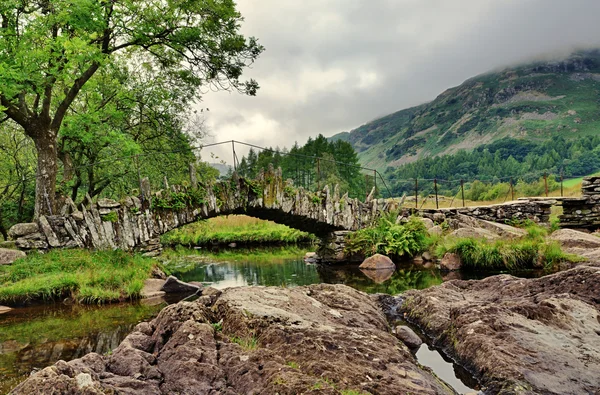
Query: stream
[(34, 337)]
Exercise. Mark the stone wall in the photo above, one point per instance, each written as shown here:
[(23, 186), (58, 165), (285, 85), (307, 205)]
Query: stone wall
[(583, 212), (136, 224)]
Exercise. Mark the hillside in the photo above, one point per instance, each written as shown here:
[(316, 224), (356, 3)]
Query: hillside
[(535, 103)]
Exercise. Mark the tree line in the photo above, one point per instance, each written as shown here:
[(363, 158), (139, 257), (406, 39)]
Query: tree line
[(522, 161), (317, 163)]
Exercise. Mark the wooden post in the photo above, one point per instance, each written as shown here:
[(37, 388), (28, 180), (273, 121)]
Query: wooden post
[(437, 206), (561, 183), (375, 181), (233, 152), (512, 190), (416, 193), (546, 183), (462, 190)]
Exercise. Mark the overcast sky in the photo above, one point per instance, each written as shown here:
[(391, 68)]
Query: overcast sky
[(333, 65)]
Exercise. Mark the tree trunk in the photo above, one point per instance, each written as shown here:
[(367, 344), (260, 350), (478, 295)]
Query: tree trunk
[(47, 169)]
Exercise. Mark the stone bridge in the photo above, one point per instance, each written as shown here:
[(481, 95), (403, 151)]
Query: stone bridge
[(136, 224)]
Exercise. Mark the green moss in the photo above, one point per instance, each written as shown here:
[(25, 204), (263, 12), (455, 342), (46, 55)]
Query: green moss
[(110, 217)]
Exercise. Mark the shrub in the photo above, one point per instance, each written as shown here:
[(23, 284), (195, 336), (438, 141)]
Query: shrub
[(389, 238)]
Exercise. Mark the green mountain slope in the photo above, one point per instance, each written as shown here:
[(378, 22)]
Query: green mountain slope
[(535, 103)]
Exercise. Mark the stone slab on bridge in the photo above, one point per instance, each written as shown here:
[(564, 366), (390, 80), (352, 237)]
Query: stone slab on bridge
[(136, 224)]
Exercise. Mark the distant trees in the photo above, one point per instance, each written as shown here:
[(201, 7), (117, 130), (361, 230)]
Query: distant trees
[(523, 161), (316, 164)]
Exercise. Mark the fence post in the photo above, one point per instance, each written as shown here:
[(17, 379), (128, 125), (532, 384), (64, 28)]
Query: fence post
[(546, 183), (318, 174), (462, 190), (437, 206), (233, 153), (512, 190), (416, 193), (375, 181), (561, 183)]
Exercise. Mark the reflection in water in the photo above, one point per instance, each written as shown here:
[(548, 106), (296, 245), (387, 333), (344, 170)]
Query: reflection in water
[(379, 276), (35, 337), (294, 272), (453, 374)]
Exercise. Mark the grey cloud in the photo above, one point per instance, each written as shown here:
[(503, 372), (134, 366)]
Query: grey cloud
[(405, 52)]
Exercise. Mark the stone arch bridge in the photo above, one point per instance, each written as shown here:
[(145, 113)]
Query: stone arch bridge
[(136, 224)]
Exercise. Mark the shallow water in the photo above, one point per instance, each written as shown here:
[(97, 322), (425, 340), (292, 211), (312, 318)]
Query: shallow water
[(35, 337)]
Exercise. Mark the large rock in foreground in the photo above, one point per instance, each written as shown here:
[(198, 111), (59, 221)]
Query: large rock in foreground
[(523, 336), (317, 339)]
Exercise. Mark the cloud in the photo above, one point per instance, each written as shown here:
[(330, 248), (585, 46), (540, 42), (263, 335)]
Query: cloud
[(332, 65)]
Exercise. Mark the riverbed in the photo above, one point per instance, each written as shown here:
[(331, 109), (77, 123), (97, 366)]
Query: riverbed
[(34, 337)]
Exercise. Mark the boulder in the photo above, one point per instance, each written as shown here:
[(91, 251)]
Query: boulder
[(173, 286), (108, 203), (377, 262), (252, 340), (540, 336), (438, 218), (311, 257), (569, 238), (20, 230), (436, 231), (475, 233), (153, 288), (48, 232), (450, 262), (9, 256), (427, 222), (408, 336)]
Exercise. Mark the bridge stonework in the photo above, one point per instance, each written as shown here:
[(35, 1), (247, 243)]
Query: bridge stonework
[(135, 224)]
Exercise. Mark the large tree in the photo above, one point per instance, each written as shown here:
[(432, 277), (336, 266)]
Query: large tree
[(50, 49)]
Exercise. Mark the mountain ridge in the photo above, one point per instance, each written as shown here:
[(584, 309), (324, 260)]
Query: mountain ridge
[(534, 101)]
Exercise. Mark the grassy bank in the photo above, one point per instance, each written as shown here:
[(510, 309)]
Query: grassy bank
[(532, 251), (235, 229), (84, 276)]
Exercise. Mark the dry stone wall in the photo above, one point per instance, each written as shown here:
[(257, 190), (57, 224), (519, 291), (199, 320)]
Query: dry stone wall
[(583, 212), (135, 223)]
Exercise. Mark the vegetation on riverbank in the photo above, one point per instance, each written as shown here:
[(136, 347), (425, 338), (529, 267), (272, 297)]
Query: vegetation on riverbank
[(239, 229), (388, 238), (532, 251), (83, 276)]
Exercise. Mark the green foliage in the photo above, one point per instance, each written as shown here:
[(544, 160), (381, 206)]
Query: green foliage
[(529, 252), (235, 229), (389, 238), (316, 199), (87, 277), (170, 200), (318, 163), (247, 344), (292, 365), (110, 217)]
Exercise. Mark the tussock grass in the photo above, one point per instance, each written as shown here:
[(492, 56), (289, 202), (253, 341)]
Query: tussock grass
[(87, 277), (530, 252), (235, 229)]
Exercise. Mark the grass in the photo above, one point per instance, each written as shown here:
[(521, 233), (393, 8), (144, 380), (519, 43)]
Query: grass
[(247, 344), (235, 229), (86, 277), (529, 252)]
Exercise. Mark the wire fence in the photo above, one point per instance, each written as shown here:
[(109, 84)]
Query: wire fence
[(119, 176)]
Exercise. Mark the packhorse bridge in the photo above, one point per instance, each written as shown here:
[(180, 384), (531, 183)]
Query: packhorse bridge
[(136, 223)]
